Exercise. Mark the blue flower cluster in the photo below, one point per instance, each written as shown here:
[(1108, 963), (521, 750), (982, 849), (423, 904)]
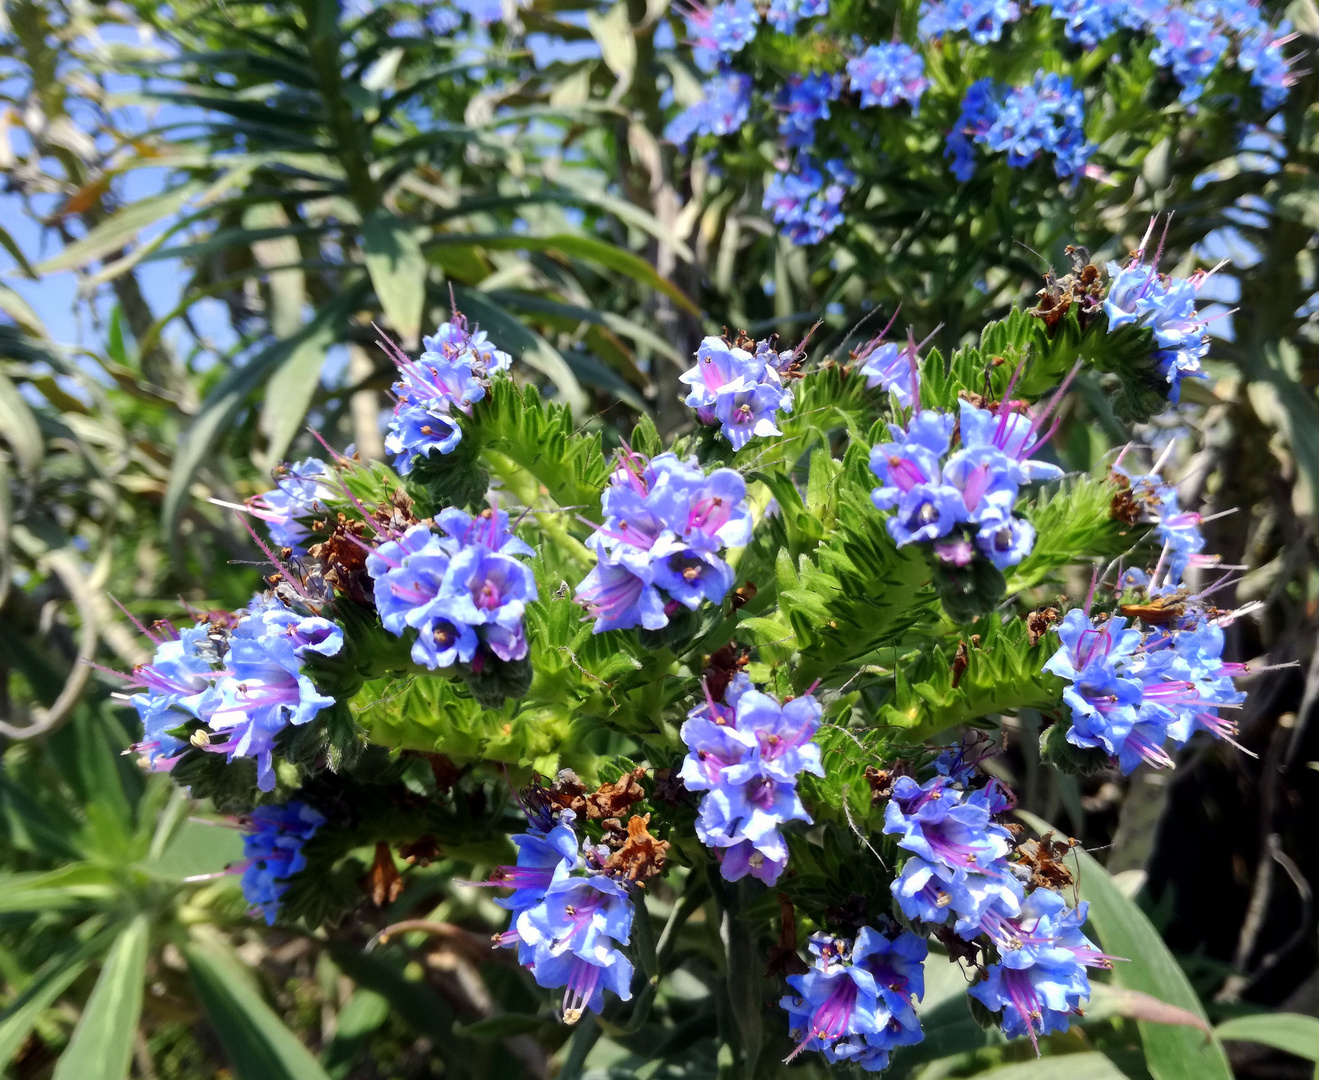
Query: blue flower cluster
[(1139, 294), (745, 756), (807, 202), (1046, 117), (783, 15), (720, 32), (962, 499), (665, 523), (1190, 45), (856, 1003), (983, 19), (450, 376), (803, 103), (460, 589), (301, 490), (567, 917), (742, 392), (887, 74), (1039, 982), (959, 869), (245, 683), (958, 865), (1130, 691), (272, 844), (1088, 22), (723, 110)]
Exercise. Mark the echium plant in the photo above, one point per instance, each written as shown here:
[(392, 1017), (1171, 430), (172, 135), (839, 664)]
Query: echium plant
[(838, 99), (722, 666)]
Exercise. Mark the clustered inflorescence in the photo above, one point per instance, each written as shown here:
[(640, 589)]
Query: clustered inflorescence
[(461, 589), (456, 595), (1042, 118), (448, 378), (744, 755), (960, 502), (241, 679), (665, 524)]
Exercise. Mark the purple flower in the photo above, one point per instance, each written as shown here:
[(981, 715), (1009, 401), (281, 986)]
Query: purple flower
[(1039, 983), (665, 524), (1138, 294), (809, 207), (747, 765), (855, 1003), (722, 111), (783, 14), (888, 73), (272, 843)]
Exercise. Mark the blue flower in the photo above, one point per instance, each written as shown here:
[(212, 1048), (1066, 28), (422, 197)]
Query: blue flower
[(892, 367), (721, 31), (803, 102), (888, 73), (1138, 294), (1046, 117), (272, 844), (178, 682), (1260, 53), (1040, 981), (722, 111), (856, 1002), (746, 760), (1007, 542), (911, 480), (783, 14), (450, 376), (984, 19), (301, 490), (665, 524), (1190, 46), (416, 432), (262, 691), (461, 591), (805, 202), (1088, 22)]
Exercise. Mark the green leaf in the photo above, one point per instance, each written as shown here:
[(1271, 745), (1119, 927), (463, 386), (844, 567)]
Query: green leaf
[(1091, 1066), (500, 1027), (1172, 1051), (398, 272), (223, 403), (116, 231), (18, 428), (49, 982), (255, 1040), (579, 247), (102, 1043), (1291, 1032)]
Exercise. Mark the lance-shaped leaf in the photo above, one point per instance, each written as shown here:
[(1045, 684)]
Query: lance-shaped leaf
[(398, 272), (232, 392), (102, 1043), (255, 1040)]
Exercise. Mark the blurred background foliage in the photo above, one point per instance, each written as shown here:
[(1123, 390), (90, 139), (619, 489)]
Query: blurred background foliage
[(207, 207)]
